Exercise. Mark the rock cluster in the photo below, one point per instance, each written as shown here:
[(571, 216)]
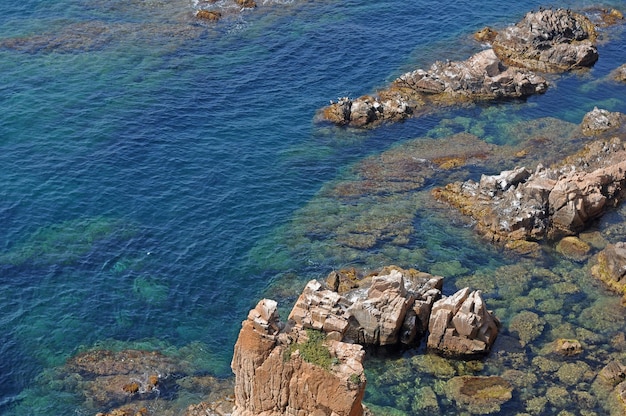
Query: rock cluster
[(549, 202), (313, 363), (548, 41)]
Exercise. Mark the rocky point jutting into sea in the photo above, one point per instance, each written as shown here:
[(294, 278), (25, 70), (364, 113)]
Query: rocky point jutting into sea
[(544, 41), (538, 335)]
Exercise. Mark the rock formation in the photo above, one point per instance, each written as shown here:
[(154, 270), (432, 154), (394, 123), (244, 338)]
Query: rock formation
[(545, 41), (461, 325), (313, 363), (481, 77), (598, 121), (275, 377), (548, 41), (548, 203)]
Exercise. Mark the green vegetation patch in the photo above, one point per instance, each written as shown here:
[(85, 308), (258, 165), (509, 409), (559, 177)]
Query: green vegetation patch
[(313, 351)]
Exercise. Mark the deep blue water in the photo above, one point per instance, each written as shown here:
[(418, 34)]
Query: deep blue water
[(145, 156)]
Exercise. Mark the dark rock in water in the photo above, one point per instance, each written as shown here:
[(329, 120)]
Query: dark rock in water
[(209, 15), (610, 267), (548, 41), (567, 347)]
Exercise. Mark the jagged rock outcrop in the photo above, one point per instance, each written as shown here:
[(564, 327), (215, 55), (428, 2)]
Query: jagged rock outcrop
[(312, 365), (481, 77), (394, 308), (610, 267), (274, 377), (321, 309), (548, 41), (549, 203), (462, 325)]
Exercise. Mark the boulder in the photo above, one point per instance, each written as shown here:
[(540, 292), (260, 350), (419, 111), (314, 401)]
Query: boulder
[(462, 325), (480, 77), (210, 15), (548, 41)]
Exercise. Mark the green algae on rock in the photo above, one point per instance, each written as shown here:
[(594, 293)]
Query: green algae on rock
[(528, 326), (479, 394)]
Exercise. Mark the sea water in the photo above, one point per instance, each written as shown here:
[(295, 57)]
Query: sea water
[(160, 174)]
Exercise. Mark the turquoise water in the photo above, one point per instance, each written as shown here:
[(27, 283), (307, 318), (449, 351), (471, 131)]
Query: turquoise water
[(155, 170)]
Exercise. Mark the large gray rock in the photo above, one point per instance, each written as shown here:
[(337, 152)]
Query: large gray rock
[(548, 41)]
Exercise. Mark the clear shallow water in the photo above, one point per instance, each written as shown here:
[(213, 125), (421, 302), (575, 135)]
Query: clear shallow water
[(155, 169)]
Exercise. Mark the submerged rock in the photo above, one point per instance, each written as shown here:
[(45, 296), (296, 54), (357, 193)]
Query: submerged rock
[(573, 248), (610, 267), (548, 41), (479, 395), (620, 73)]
